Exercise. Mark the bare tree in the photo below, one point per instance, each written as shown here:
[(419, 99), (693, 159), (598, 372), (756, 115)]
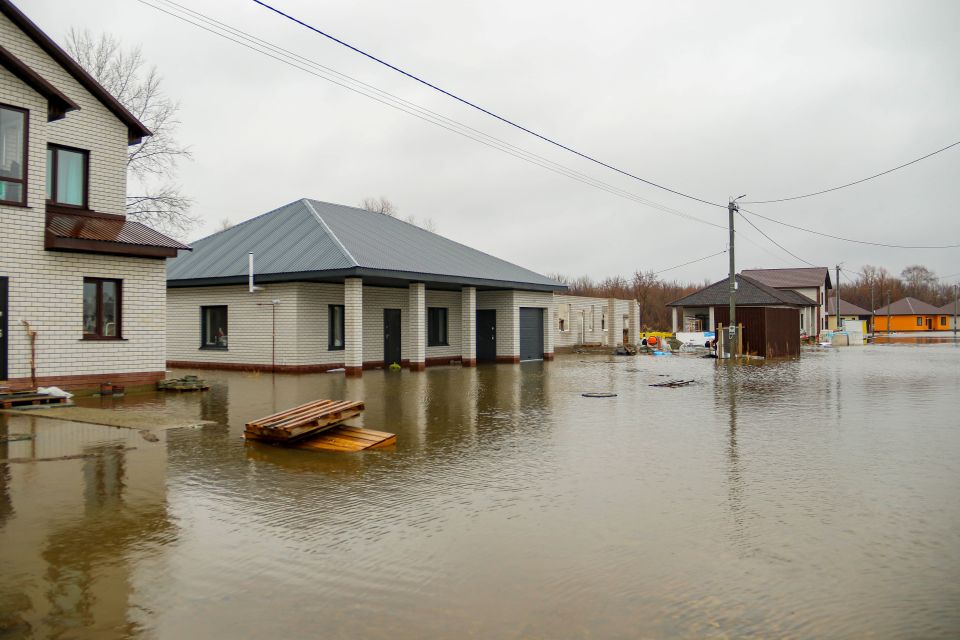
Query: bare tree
[(380, 205), (918, 280), (126, 75)]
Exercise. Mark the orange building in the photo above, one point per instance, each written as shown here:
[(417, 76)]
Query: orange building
[(908, 314)]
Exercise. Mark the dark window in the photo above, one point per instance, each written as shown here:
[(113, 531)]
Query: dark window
[(213, 327), (919, 321), (437, 327), (13, 155), (67, 176), (943, 321), (335, 340), (101, 309)]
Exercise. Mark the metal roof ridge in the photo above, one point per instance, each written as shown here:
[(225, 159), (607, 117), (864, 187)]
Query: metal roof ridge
[(329, 231)]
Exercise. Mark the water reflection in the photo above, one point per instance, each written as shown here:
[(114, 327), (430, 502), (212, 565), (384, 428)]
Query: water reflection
[(82, 516), (813, 497)]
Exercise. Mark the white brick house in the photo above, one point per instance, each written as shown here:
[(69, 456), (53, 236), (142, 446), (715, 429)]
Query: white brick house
[(89, 283), (339, 287), (584, 320)]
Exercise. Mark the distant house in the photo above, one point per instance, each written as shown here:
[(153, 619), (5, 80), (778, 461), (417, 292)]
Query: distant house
[(770, 317), (910, 314), (812, 282), (87, 281), (339, 287), (848, 311), (948, 319)]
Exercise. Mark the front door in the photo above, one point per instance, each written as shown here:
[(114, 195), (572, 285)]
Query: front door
[(4, 312), (486, 335), (929, 324), (391, 337)]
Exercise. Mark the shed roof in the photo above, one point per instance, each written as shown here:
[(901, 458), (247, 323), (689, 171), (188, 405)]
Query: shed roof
[(907, 307), (750, 293), (136, 130), (312, 240), (846, 308), (799, 278)]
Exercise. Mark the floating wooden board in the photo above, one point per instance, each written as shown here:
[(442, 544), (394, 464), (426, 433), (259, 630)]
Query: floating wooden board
[(28, 398), (302, 421), (346, 438)]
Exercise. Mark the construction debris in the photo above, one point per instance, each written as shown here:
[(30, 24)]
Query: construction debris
[(673, 383), (186, 383), (318, 426)]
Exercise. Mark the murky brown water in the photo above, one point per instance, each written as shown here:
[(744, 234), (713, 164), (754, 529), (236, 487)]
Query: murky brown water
[(810, 498)]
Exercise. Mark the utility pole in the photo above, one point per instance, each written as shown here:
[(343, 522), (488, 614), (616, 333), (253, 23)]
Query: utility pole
[(732, 331), (888, 312), (873, 317), (837, 298), (956, 294)]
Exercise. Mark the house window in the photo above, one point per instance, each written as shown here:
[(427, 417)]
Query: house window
[(213, 327), (335, 340), (563, 317), (603, 320), (13, 155), (919, 321), (437, 327), (101, 309), (943, 321), (67, 176)]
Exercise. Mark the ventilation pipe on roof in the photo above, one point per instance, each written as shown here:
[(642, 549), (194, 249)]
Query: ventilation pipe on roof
[(253, 288)]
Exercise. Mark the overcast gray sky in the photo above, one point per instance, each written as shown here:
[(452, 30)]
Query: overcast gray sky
[(714, 99)]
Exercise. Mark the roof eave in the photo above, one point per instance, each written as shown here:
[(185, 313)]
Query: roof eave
[(400, 277), (136, 130)]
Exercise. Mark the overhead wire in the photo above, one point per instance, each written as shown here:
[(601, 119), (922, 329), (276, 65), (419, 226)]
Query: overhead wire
[(318, 70), (855, 182), (836, 237), (482, 109), (712, 255), (765, 235)]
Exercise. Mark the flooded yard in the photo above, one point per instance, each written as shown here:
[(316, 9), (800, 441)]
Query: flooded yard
[(805, 498)]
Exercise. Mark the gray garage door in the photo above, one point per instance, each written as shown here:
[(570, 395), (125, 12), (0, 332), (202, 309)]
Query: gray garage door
[(531, 333)]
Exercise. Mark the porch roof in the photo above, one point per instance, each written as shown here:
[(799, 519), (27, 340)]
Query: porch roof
[(308, 240)]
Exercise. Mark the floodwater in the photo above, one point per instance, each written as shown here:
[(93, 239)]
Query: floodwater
[(817, 497)]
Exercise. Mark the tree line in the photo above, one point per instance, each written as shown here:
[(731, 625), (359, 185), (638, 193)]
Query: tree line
[(869, 288)]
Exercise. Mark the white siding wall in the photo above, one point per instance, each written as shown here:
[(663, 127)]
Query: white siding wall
[(302, 323), (46, 287)]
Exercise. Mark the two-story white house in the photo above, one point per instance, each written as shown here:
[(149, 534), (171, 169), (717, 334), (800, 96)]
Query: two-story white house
[(811, 282), (82, 289)]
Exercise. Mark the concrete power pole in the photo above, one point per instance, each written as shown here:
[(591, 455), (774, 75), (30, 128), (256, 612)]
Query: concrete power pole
[(732, 330)]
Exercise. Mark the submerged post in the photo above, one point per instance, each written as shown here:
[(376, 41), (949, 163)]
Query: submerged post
[(837, 298)]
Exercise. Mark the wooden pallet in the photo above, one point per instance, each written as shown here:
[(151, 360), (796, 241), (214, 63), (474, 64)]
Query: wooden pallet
[(345, 438), (305, 420), (28, 398)]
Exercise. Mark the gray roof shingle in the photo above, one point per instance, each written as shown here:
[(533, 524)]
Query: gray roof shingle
[(302, 239), (750, 293), (908, 307), (796, 278), (846, 308)]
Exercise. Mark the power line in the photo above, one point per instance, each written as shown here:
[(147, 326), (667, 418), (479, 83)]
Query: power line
[(482, 109), (712, 255), (759, 230), (279, 54), (827, 235), (850, 184)]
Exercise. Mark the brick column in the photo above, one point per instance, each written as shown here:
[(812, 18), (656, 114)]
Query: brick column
[(417, 312), (353, 326), (549, 327), (613, 324), (468, 326), (634, 328)]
